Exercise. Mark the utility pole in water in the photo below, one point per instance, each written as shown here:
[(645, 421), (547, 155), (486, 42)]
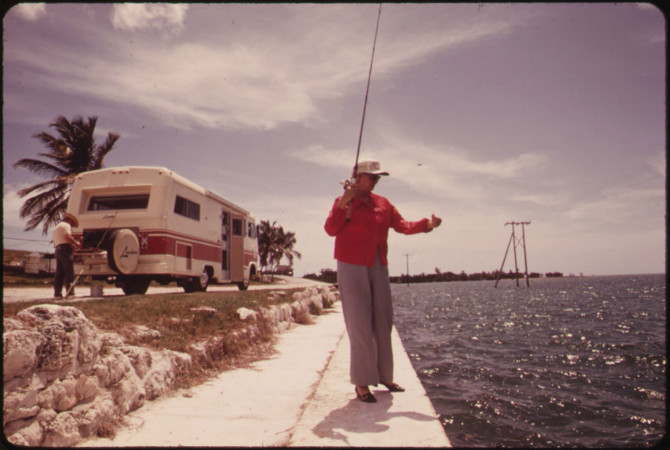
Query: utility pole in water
[(512, 239), (407, 259)]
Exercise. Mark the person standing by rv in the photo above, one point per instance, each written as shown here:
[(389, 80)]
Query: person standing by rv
[(64, 243), (362, 273)]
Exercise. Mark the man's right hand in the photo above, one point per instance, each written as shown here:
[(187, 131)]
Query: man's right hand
[(349, 194)]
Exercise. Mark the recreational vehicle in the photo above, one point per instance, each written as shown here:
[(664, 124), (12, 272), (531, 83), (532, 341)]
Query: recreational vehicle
[(143, 224)]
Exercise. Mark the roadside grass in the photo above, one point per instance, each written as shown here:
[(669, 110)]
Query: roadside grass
[(180, 326)]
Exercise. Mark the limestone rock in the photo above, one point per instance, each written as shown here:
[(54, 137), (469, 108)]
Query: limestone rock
[(205, 310), (20, 349), (64, 379), (25, 433), (112, 340), (143, 332), (91, 416), (129, 393), (140, 358), (63, 431), (72, 342), (112, 367), (167, 364), (244, 313), (87, 388), (20, 404)]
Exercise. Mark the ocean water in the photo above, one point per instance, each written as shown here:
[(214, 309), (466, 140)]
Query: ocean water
[(568, 362)]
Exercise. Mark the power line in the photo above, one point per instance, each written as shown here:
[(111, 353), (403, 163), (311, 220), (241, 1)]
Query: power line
[(23, 242), (29, 240)]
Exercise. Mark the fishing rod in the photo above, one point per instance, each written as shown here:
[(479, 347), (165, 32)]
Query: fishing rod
[(365, 105)]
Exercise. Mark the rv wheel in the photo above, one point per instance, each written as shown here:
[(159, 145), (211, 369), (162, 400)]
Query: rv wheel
[(135, 286), (203, 281), (123, 253), (243, 285), (197, 284)]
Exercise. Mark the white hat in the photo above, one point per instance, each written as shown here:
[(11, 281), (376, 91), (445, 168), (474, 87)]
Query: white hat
[(72, 218), (371, 167)]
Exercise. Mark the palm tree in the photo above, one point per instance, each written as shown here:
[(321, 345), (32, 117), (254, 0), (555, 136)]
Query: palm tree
[(70, 154), (274, 243), (287, 240), (266, 241)]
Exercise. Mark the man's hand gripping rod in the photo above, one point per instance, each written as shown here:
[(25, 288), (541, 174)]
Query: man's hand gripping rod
[(347, 183)]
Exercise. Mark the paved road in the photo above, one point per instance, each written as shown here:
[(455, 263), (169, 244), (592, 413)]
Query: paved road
[(27, 294)]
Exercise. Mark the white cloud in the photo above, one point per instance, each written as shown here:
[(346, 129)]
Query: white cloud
[(192, 85), (11, 205), (31, 11), (405, 49), (445, 172), (241, 80), (137, 16), (14, 236)]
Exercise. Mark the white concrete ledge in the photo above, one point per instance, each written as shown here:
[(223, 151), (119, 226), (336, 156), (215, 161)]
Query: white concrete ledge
[(299, 397), (334, 416)]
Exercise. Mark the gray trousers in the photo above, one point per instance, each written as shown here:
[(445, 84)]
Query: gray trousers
[(64, 269), (365, 295)]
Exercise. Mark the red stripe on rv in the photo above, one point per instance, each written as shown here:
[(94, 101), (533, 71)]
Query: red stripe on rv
[(165, 245)]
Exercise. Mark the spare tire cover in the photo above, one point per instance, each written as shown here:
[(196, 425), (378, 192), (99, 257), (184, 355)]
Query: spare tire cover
[(124, 251)]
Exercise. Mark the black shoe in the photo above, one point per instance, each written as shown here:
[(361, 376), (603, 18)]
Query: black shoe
[(394, 387), (367, 397), (58, 295)]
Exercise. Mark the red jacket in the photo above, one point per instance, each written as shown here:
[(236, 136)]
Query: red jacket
[(356, 241)]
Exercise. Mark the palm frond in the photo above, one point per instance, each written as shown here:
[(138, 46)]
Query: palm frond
[(39, 167), (71, 153), (49, 184), (39, 200), (101, 151)]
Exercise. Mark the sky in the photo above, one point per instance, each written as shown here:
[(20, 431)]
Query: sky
[(483, 114)]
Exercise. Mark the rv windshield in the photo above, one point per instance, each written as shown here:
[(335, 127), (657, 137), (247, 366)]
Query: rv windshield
[(137, 201)]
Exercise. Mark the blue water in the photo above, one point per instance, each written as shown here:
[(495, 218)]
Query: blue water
[(568, 362)]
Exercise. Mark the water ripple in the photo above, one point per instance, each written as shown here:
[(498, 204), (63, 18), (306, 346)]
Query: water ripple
[(574, 362)]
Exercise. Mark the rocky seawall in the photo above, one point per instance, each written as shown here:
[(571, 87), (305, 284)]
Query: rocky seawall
[(66, 380)]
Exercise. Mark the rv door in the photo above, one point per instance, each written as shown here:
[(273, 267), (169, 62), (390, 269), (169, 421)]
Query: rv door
[(225, 245), (237, 250)]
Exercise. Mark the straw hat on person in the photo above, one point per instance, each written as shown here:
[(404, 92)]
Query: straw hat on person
[(72, 218), (371, 167)]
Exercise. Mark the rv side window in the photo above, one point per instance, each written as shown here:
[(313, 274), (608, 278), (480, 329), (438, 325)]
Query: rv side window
[(252, 230), (187, 208), (100, 203), (237, 227)]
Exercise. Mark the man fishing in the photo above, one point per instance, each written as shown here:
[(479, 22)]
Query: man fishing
[(359, 220)]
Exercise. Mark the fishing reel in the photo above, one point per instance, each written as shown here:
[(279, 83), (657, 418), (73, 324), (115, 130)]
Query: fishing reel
[(351, 180), (346, 183)]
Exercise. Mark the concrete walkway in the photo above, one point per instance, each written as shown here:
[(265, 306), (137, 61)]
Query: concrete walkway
[(334, 417), (299, 397)]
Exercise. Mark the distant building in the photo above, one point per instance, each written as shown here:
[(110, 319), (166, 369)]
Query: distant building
[(14, 262), (39, 263)]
